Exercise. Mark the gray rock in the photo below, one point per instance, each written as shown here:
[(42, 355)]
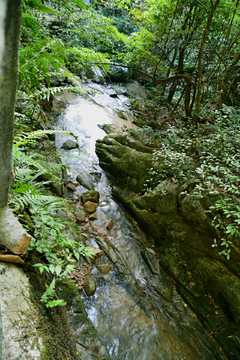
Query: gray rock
[(89, 285), (151, 261), (107, 128), (85, 181), (96, 75), (69, 144), (20, 317), (71, 187), (80, 216)]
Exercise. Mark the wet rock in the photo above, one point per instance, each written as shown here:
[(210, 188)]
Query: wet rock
[(90, 206), (85, 228), (89, 285), (69, 144), (108, 128), (85, 181), (151, 260), (71, 187), (73, 82), (90, 195), (93, 216), (74, 182), (95, 74), (104, 268), (110, 225), (88, 342), (80, 216), (97, 254), (136, 90)]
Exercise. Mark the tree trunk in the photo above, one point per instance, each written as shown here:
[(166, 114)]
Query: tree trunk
[(12, 235), (200, 55)]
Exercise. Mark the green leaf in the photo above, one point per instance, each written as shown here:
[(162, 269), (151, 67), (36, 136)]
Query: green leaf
[(58, 269)]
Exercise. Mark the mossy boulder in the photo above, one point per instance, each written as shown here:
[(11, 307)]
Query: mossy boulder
[(126, 162), (90, 195)]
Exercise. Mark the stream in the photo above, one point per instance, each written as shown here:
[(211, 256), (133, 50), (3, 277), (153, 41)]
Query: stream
[(127, 310)]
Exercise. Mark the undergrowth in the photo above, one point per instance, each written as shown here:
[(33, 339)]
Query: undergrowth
[(209, 153), (37, 210)]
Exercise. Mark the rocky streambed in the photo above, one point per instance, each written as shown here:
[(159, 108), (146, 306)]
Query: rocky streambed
[(155, 289), (149, 305)]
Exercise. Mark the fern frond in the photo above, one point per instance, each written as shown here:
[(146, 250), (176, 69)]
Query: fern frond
[(27, 138)]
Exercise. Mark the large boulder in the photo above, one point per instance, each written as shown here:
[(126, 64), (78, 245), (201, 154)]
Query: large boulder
[(21, 337), (86, 181), (126, 159)]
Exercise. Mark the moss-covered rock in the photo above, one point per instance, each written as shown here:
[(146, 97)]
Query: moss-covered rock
[(128, 164), (90, 195), (177, 218)]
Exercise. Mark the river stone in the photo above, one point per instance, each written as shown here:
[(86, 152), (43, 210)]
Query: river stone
[(90, 206), (104, 268), (89, 285), (20, 317), (80, 215), (85, 182), (151, 260), (71, 187), (69, 144), (74, 182), (90, 195), (97, 254)]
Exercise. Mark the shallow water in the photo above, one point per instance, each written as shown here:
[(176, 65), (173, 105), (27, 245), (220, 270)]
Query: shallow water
[(125, 309)]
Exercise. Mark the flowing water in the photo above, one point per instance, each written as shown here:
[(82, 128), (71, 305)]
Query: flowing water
[(126, 310)]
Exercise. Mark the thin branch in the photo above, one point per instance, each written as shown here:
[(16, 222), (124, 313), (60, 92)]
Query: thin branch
[(203, 6)]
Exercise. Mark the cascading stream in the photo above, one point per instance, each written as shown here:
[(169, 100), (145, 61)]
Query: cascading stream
[(126, 310)]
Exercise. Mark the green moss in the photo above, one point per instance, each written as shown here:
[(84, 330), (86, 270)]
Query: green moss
[(52, 326), (67, 290)]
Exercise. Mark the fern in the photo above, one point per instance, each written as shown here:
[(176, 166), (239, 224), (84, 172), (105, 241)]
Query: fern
[(27, 138), (47, 297)]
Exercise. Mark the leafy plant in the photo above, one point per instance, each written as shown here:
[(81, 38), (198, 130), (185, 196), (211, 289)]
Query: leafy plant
[(211, 154), (48, 296), (38, 212)]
